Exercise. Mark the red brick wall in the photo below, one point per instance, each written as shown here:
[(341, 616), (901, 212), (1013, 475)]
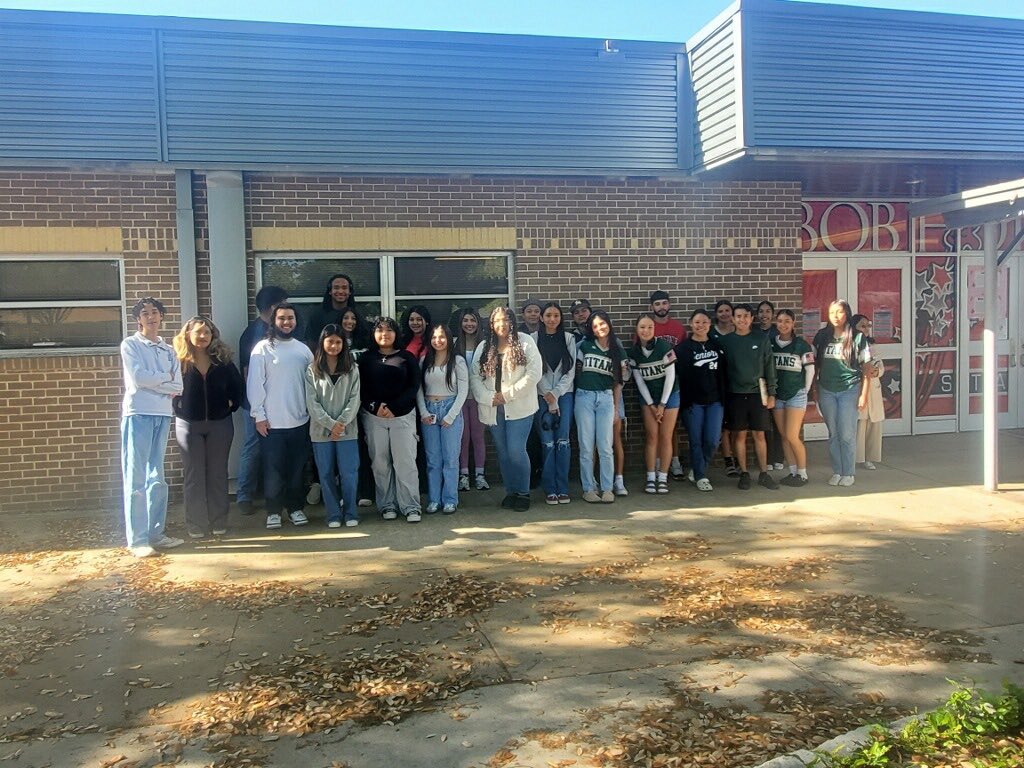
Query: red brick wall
[(60, 445)]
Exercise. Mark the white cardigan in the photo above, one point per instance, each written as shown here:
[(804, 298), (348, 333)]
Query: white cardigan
[(518, 385)]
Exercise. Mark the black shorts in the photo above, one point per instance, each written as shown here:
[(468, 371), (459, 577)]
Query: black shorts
[(747, 412)]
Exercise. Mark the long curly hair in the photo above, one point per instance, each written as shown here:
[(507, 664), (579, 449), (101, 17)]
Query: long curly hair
[(514, 355), (219, 352)]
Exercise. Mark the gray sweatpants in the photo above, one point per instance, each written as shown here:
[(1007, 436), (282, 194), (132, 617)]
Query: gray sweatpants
[(392, 445), (204, 452)]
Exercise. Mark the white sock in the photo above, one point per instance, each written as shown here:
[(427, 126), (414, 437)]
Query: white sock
[(650, 477), (479, 473), (803, 473), (663, 477), (619, 481), (792, 469)]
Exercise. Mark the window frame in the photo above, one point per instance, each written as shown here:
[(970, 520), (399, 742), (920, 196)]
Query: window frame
[(386, 264), (49, 351)]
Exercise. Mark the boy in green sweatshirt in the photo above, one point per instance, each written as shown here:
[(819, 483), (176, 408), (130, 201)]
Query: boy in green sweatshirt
[(749, 360)]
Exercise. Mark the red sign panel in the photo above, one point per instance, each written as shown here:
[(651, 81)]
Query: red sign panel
[(854, 226), (975, 383), (936, 384)]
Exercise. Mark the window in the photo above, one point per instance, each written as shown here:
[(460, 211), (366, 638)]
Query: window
[(390, 283), (60, 302)]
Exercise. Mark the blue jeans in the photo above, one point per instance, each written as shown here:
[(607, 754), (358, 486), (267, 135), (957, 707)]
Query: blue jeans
[(595, 416), (341, 457), (554, 443), (443, 446), (143, 445), (839, 410), (513, 460), (248, 459), (284, 457), (704, 427)]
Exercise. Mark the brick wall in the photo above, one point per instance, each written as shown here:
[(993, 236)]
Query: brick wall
[(610, 241), (59, 444)]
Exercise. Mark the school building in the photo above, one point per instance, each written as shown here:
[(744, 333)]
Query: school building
[(771, 156)]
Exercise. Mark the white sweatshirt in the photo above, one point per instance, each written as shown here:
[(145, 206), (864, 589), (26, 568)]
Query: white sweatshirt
[(276, 383)]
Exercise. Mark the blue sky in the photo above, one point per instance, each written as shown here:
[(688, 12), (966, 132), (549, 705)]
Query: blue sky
[(672, 20)]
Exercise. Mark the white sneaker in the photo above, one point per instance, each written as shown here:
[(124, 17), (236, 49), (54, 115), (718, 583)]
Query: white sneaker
[(351, 523), (364, 503), (482, 484), (389, 514), (834, 480), (313, 497), (334, 523), (846, 480), (704, 485), (167, 542), (298, 517), (620, 490), (869, 465), (591, 497), (463, 482), (143, 551), (273, 521), (607, 497), (778, 465), (413, 517), (220, 531)]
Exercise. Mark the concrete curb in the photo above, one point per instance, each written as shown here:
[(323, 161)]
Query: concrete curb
[(845, 744)]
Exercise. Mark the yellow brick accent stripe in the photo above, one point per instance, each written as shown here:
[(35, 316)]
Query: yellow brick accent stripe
[(382, 239), (61, 240)]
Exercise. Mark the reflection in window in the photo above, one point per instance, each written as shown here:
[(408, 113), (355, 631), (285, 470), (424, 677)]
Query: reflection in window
[(307, 277), (48, 327), (60, 303)]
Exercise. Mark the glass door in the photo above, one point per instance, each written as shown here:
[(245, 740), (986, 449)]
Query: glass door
[(1008, 294)]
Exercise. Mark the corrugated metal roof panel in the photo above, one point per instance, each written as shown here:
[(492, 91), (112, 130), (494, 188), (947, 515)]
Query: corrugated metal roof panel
[(254, 99), (713, 74), (65, 95), (867, 79)]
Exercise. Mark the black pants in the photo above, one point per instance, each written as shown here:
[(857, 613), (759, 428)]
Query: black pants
[(204, 453), (284, 456)]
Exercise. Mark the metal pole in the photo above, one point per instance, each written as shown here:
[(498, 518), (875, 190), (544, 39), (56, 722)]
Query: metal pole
[(990, 369)]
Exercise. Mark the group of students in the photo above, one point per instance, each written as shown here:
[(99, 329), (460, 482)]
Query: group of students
[(366, 397)]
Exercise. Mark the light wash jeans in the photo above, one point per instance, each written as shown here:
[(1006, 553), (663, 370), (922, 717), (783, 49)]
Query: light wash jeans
[(443, 446), (704, 428), (595, 416), (143, 445), (839, 410), (248, 459), (338, 460), (554, 445), (510, 442)]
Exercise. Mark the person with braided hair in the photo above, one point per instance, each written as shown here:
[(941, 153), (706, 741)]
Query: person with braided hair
[(503, 380)]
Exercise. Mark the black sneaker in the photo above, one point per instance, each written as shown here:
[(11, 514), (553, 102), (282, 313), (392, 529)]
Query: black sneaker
[(744, 484), (509, 502), (793, 481), (245, 507), (767, 481), (732, 469), (522, 502)]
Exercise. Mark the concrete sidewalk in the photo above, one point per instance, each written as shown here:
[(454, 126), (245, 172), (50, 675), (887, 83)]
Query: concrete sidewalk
[(726, 627)]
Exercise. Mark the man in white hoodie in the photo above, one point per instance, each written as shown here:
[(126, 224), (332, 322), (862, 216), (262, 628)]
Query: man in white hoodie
[(277, 399), (152, 377)]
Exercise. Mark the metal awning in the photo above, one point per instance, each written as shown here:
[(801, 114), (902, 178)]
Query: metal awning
[(985, 207)]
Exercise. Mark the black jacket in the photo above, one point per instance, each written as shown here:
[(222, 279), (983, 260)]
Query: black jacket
[(212, 397), (700, 371)]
